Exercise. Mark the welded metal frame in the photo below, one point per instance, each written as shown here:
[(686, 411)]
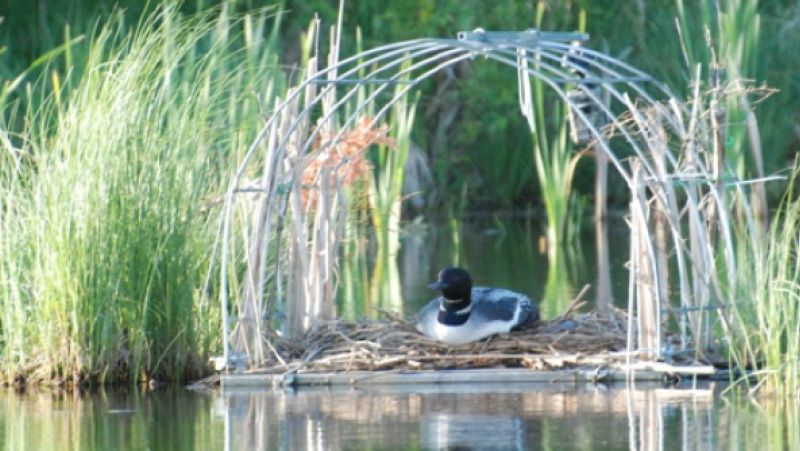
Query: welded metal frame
[(557, 59)]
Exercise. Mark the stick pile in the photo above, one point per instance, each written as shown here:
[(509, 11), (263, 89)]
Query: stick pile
[(393, 344)]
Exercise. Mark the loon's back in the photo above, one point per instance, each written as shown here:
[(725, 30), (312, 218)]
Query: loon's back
[(492, 311)]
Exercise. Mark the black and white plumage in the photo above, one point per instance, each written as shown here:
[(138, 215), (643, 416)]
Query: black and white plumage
[(464, 313)]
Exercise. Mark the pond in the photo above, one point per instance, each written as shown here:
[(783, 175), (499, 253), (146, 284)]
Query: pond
[(504, 251), (475, 416)]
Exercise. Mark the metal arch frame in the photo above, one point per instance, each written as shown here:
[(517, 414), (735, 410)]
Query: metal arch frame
[(425, 58)]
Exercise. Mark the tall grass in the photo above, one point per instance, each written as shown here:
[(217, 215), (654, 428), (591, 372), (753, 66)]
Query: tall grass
[(723, 37), (766, 332), (107, 220)]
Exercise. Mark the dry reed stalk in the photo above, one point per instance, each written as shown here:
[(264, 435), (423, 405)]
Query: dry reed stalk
[(759, 196), (648, 302), (336, 161), (393, 344), (667, 219), (691, 203), (604, 294)]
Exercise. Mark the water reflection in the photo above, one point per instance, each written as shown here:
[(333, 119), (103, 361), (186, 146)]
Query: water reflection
[(443, 430), (502, 252), (170, 419), (460, 416), (506, 252), (503, 416)]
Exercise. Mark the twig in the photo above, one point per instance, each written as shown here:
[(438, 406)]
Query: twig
[(576, 303)]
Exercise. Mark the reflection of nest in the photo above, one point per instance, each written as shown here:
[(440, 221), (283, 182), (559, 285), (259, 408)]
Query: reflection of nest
[(393, 343)]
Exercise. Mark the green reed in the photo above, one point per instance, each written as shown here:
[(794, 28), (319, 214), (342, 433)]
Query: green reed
[(370, 273), (555, 163), (386, 197), (765, 332), (107, 221), (724, 38)]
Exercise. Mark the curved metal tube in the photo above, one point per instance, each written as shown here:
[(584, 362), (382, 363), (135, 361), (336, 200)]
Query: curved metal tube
[(556, 64)]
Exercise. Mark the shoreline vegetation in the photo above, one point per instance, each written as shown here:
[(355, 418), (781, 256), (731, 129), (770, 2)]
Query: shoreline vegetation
[(117, 143), (108, 195)]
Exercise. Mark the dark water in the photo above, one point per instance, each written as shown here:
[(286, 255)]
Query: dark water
[(482, 416), (510, 252)]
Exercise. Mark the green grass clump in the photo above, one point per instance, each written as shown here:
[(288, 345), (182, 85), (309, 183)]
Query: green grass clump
[(765, 332), (107, 209)]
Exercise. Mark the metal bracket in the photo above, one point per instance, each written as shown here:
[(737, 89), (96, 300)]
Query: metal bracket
[(529, 36)]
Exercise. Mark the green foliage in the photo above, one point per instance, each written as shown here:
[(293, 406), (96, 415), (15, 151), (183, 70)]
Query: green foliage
[(115, 141), (764, 333), (486, 149), (379, 287), (466, 152), (108, 215), (386, 196)]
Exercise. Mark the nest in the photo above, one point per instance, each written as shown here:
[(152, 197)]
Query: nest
[(393, 343)]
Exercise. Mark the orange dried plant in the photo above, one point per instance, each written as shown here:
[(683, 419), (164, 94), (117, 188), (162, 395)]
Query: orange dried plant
[(343, 158)]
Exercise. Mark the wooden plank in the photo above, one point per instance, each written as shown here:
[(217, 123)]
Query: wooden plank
[(649, 372), (666, 368)]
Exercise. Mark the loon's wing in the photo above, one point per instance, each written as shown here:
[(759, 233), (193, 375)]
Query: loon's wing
[(494, 303), (501, 304), (428, 315)]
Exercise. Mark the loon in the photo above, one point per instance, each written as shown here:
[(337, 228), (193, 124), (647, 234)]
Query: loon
[(464, 313)]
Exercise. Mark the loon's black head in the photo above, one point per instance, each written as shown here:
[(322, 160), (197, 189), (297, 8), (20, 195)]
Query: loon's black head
[(455, 285)]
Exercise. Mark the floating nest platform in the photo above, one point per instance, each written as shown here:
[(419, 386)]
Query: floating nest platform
[(393, 343), (573, 347)]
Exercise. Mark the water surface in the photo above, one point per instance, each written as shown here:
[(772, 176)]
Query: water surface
[(507, 252), (442, 416), (445, 416)]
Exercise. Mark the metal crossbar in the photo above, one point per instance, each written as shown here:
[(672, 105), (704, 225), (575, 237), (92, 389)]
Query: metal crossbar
[(526, 37)]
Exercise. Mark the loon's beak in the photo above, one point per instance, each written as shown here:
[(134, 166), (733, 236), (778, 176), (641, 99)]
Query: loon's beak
[(438, 285)]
